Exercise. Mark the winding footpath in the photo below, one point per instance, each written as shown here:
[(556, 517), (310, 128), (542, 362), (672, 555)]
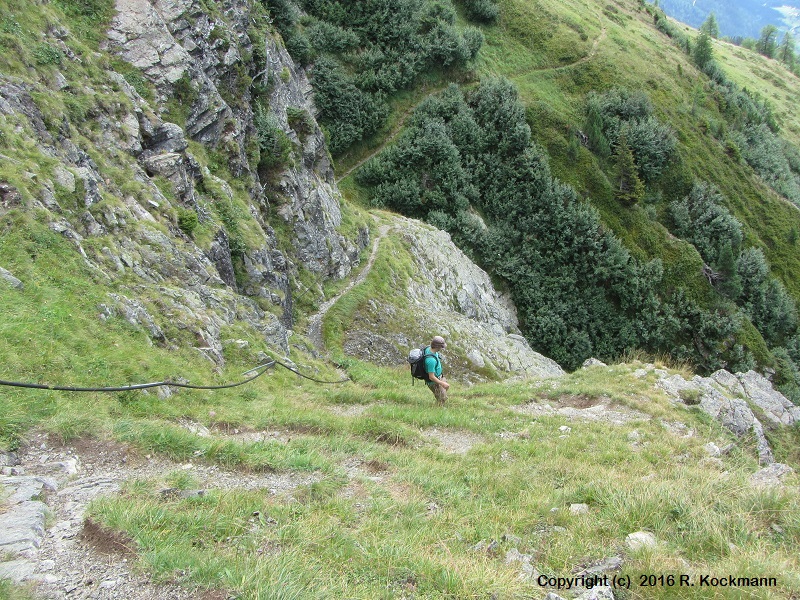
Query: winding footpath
[(314, 332), (68, 560), (399, 127)]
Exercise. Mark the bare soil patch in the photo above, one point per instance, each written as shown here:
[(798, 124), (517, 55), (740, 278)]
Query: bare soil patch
[(107, 541), (80, 558), (453, 441), (583, 408), (579, 401)]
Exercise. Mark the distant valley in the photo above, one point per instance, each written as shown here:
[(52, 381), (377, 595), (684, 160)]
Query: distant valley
[(743, 18)]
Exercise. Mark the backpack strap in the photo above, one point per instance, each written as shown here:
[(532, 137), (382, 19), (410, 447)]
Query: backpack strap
[(432, 355)]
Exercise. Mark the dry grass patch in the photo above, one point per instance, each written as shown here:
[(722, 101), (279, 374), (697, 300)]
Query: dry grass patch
[(453, 442)]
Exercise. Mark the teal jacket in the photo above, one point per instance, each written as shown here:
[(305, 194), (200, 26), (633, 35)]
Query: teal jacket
[(433, 364)]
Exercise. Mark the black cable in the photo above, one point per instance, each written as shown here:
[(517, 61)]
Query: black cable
[(140, 386), (346, 379)]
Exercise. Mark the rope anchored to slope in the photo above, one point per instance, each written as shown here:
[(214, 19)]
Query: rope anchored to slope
[(261, 369)]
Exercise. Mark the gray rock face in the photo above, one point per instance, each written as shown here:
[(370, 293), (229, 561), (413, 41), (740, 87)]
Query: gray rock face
[(731, 408), (9, 279), (448, 295), (771, 476), (144, 40), (178, 45), (313, 208), (22, 523), (777, 408), (203, 60)]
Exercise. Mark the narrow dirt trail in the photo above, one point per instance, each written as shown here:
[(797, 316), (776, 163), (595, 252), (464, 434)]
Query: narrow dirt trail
[(409, 111), (314, 331), (47, 541)]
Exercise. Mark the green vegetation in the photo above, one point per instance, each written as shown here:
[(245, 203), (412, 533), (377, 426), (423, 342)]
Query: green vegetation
[(390, 510), (438, 170), (578, 291), (411, 513), (363, 54)]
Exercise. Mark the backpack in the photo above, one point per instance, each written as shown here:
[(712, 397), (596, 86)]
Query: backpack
[(416, 358)]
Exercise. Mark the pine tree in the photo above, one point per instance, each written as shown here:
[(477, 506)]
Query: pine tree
[(768, 43), (710, 26), (629, 189), (786, 51), (594, 131), (702, 52), (730, 283)]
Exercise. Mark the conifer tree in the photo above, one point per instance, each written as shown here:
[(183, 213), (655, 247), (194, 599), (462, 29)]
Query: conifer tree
[(598, 141), (786, 51), (710, 26), (767, 43), (702, 52), (629, 189), (730, 283)]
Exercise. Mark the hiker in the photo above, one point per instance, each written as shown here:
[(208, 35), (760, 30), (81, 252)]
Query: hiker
[(433, 367)]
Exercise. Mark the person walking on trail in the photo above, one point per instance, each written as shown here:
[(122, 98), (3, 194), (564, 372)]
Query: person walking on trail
[(433, 367)]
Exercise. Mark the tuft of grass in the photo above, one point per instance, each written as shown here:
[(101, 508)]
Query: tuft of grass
[(9, 591)]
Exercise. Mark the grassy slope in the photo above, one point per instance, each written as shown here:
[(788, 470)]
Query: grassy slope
[(413, 530), (630, 52), (410, 517)]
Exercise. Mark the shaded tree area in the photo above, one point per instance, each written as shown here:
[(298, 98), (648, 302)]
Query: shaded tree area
[(467, 164), (743, 276), (619, 114), (740, 276), (360, 53)]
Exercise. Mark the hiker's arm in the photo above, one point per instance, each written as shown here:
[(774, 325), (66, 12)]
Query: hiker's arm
[(441, 382)]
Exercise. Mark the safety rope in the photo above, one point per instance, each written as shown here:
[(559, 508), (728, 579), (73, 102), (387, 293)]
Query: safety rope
[(262, 368), (295, 371)]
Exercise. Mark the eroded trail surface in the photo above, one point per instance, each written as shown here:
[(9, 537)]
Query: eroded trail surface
[(45, 540)]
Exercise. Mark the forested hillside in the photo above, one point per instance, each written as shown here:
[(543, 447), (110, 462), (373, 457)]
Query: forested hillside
[(599, 160)]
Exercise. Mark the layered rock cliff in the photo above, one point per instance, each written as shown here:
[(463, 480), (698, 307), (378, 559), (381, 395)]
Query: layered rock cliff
[(162, 179)]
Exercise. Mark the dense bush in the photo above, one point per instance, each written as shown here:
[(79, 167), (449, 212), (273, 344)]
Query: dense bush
[(772, 158), (363, 52), (484, 11), (701, 218), (621, 112), (188, 221), (578, 291), (753, 129), (274, 145), (764, 299)]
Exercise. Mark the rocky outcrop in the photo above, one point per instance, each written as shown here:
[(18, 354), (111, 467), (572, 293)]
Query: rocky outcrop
[(775, 406), (183, 49), (209, 65), (9, 279), (727, 398), (448, 295)]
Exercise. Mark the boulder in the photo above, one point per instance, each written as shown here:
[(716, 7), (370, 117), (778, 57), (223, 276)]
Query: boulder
[(640, 539), (771, 476), (777, 408), (9, 279)]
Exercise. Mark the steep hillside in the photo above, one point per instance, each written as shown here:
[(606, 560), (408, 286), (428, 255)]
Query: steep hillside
[(708, 150), (170, 213)]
